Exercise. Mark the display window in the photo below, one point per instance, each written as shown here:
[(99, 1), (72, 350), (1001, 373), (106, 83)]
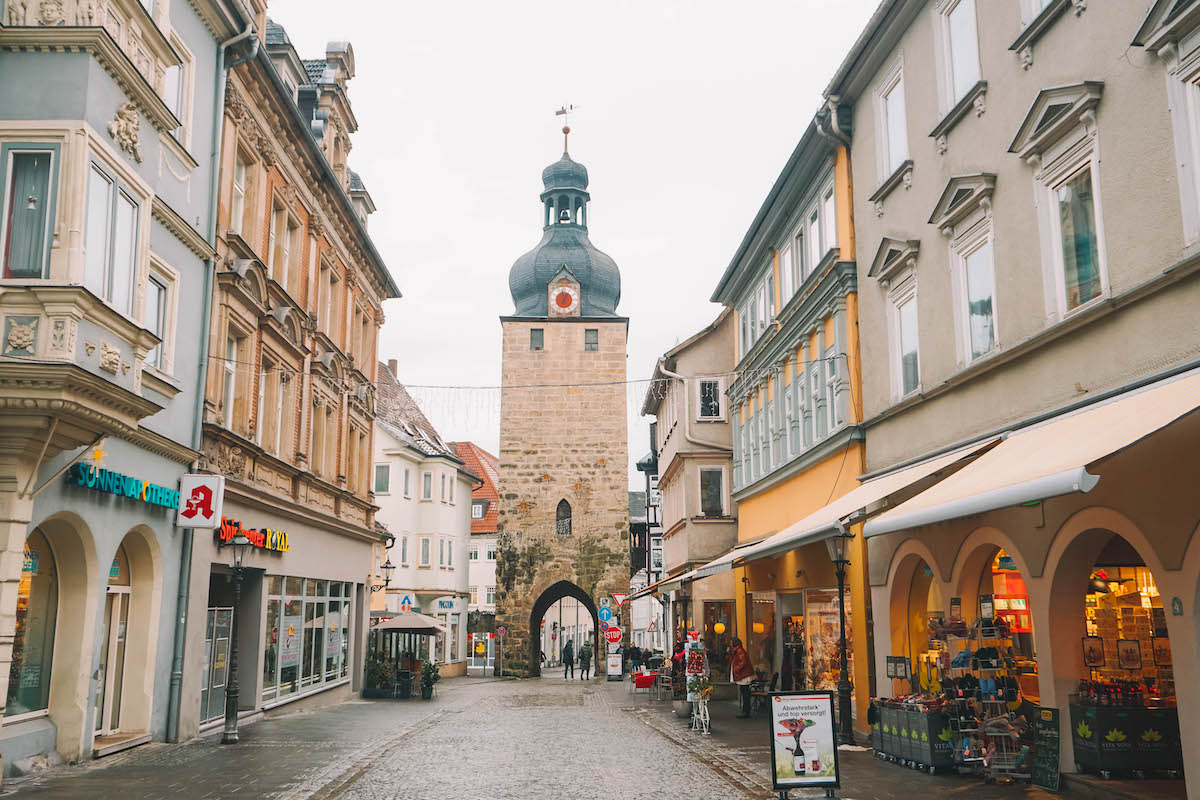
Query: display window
[(33, 639), (305, 641), (761, 646), (718, 633), (822, 629)]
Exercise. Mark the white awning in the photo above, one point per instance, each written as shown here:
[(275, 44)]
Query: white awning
[(828, 521), (1048, 459)]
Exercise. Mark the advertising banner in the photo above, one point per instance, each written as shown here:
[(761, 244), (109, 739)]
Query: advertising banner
[(803, 749), (289, 641)]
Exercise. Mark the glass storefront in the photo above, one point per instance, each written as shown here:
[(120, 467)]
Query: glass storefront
[(822, 628), (762, 635), (304, 641), (33, 641), (717, 634)]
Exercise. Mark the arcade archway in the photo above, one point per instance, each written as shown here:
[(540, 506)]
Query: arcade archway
[(553, 594)]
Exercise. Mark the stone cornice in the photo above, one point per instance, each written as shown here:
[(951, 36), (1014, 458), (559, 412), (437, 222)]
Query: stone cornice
[(108, 54), (810, 305), (182, 230), (35, 388)]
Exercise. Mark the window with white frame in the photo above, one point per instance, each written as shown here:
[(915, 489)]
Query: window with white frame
[(426, 485), (406, 489), (744, 327), (453, 479), (975, 292), (770, 289), (404, 550), (473, 553), (903, 339), (237, 207), (111, 238), (426, 549), (477, 511), (712, 491), (789, 421), (441, 552), (229, 369), (1078, 239), (959, 61), (27, 208), (443, 497), (474, 595), (829, 219), (656, 554), (491, 551), (155, 311), (891, 111), (832, 416), (804, 438), (709, 399), (813, 235), (383, 478), (815, 392), (449, 554), (491, 595)]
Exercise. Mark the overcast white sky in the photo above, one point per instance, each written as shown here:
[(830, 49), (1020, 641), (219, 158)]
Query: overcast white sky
[(688, 112)]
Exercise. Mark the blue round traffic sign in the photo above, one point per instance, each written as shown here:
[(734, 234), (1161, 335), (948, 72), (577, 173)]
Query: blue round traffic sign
[(603, 626), (605, 614)]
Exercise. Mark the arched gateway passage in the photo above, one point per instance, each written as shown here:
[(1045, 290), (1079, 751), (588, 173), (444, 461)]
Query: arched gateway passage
[(548, 598)]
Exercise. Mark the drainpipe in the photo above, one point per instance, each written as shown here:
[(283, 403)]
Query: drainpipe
[(185, 557), (687, 409), (829, 127)]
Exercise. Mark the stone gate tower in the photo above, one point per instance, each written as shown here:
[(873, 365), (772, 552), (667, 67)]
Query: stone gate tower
[(564, 515)]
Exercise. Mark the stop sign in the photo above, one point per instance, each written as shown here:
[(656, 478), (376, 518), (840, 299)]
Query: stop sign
[(613, 634)]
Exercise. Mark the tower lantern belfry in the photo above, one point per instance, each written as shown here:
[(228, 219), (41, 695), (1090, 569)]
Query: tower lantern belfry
[(563, 519)]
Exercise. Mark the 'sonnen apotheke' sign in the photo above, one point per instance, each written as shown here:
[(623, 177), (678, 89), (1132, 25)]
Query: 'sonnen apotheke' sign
[(90, 476), (264, 538)]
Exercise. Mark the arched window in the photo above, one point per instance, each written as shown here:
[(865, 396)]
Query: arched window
[(33, 644), (563, 518)]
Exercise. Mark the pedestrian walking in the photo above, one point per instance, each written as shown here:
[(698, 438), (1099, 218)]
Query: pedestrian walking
[(568, 659), (585, 661), (635, 659), (741, 671)]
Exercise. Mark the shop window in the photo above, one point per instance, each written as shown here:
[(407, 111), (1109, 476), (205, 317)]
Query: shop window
[(823, 637), (761, 640), (271, 649), (27, 208), (290, 631), (718, 633), (454, 626), (33, 639)]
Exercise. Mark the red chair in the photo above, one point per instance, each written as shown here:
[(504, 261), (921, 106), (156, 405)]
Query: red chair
[(644, 680)]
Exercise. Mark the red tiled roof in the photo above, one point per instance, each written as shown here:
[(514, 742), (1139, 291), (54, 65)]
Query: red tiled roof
[(485, 465)]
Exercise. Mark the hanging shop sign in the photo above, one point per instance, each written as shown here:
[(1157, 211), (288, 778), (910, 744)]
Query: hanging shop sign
[(263, 538), (803, 752), (98, 479), (201, 498)]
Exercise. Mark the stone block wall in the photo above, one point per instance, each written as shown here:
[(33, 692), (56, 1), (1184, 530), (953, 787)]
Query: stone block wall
[(560, 440)]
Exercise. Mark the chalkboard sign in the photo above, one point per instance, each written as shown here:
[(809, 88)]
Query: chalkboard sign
[(1045, 760)]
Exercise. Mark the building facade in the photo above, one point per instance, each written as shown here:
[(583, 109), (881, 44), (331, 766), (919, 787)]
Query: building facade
[(106, 128), (424, 494), (1036, 214), (693, 443), (481, 554), (563, 520), (289, 404)]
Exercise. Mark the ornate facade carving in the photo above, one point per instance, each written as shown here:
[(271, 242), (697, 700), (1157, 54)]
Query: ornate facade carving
[(110, 358), (125, 130)]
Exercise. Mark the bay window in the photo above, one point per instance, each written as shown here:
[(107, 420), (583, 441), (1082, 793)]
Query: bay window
[(111, 239)]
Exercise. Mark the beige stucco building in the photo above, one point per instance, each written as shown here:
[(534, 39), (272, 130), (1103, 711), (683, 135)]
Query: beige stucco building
[(1028, 209)]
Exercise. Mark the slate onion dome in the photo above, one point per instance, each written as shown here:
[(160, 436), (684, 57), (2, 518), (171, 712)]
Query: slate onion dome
[(565, 243)]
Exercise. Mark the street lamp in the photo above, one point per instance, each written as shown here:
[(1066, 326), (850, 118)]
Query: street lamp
[(388, 568), (230, 734), (837, 554)]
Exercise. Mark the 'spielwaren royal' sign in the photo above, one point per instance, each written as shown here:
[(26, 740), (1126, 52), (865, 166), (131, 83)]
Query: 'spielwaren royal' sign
[(98, 479), (264, 538)]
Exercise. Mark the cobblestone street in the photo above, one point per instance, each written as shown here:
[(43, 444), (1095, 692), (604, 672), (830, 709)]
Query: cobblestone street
[(547, 739)]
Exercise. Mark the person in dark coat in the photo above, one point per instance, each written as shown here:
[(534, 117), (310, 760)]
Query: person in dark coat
[(568, 659), (635, 659), (741, 672), (585, 661)]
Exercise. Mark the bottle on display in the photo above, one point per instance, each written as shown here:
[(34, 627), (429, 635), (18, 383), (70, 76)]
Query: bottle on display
[(798, 765)]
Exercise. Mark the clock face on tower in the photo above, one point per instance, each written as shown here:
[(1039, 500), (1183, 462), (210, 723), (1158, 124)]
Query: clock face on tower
[(564, 300)]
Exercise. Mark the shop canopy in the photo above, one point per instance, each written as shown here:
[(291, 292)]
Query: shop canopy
[(411, 622), (653, 588), (1049, 459), (831, 520)]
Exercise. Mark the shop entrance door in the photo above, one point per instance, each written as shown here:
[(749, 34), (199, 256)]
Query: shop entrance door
[(216, 662), (112, 660)]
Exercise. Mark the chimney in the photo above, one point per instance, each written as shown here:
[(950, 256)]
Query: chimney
[(392, 368)]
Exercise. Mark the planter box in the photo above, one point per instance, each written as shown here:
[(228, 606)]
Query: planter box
[(1118, 739)]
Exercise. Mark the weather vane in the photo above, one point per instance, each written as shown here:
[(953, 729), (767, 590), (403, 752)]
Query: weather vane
[(565, 113)]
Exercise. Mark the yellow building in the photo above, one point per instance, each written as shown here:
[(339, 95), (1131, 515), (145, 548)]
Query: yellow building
[(796, 401)]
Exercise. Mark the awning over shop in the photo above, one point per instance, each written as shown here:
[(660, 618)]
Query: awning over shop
[(828, 521), (1048, 459), (664, 585)]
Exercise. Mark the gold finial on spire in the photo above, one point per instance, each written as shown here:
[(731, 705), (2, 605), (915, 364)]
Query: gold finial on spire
[(565, 113)]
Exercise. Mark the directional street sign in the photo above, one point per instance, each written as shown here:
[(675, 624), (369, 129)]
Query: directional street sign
[(613, 634), (605, 614)]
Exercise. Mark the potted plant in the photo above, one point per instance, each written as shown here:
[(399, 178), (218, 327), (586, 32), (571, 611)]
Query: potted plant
[(379, 674), (699, 687), (429, 676)]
